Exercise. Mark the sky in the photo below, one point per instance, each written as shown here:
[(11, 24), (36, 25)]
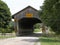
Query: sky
[(17, 5)]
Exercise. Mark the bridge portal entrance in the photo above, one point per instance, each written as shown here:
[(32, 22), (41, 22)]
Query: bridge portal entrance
[(25, 20)]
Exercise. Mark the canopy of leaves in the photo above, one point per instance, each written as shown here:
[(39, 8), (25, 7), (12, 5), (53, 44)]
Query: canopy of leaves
[(50, 14), (5, 15)]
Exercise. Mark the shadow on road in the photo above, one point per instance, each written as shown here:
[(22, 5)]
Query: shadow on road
[(32, 35), (31, 40)]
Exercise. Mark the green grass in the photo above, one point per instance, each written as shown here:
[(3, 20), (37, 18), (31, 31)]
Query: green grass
[(4, 37), (7, 35), (50, 40), (37, 30)]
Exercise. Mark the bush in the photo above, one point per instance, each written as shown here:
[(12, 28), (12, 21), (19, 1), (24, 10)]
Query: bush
[(5, 30)]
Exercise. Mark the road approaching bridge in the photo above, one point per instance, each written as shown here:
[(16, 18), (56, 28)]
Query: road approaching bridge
[(20, 41)]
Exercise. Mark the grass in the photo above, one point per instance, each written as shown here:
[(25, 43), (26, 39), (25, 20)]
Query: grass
[(4, 37), (37, 30), (50, 40), (7, 35)]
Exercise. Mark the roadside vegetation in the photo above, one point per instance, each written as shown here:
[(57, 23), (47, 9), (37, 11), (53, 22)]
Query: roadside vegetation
[(50, 40), (37, 27), (6, 24), (50, 16), (4, 37), (37, 30)]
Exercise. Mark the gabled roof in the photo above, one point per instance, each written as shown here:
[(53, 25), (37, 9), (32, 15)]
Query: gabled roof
[(23, 10)]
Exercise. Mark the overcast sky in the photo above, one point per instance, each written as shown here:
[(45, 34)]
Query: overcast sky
[(17, 5)]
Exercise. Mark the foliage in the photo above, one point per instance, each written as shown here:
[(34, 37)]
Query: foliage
[(11, 26), (9, 29), (50, 40), (5, 37), (37, 26), (5, 30), (37, 30), (5, 15), (50, 14), (2, 30)]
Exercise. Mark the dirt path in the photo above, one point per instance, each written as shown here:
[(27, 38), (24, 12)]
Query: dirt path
[(19, 41)]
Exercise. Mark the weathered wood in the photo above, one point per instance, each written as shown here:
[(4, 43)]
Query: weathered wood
[(22, 17)]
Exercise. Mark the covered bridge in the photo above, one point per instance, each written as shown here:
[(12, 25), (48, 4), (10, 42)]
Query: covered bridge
[(25, 20)]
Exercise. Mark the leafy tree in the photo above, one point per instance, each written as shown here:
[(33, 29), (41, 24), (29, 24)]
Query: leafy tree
[(50, 14), (5, 15), (11, 26)]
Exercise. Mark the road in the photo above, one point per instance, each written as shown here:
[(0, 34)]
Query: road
[(26, 40)]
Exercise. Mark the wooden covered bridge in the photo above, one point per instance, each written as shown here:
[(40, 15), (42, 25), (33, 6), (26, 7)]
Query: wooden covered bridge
[(25, 20)]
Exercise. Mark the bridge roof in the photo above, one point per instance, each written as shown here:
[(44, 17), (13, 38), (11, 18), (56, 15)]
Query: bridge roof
[(23, 10)]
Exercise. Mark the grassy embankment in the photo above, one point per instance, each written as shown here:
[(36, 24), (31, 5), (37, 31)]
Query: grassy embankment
[(50, 40), (7, 36)]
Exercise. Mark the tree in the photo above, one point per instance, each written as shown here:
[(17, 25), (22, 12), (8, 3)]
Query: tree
[(50, 14), (5, 15)]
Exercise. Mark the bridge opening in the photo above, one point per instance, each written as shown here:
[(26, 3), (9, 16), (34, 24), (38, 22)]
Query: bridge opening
[(37, 28), (25, 20), (26, 25)]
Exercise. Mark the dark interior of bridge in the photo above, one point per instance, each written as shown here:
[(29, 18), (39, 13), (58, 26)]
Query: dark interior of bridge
[(26, 25)]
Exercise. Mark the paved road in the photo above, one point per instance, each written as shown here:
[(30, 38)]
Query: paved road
[(19, 41)]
